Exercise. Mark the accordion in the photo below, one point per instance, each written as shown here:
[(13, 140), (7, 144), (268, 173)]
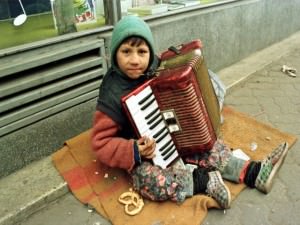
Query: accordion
[(178, 107)]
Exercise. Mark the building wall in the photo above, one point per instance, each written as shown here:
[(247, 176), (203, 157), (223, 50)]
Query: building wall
[(229, 33)]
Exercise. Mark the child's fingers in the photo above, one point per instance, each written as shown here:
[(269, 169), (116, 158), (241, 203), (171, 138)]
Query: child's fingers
[(150, 150), (147, 147), (146, 141), (142, 140), (149, 153)]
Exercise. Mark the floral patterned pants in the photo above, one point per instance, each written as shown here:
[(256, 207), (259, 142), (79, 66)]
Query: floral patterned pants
[(158, 184)]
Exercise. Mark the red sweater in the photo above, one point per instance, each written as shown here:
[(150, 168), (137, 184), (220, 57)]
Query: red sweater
[(111, 149)]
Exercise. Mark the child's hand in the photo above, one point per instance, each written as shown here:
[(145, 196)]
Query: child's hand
[(146, 147)]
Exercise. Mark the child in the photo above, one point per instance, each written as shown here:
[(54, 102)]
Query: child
[(114, 142)]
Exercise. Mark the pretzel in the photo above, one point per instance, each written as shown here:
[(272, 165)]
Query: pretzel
[(133, 200)]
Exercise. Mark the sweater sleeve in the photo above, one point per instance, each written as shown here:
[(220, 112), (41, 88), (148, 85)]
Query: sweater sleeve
[(110, 149)]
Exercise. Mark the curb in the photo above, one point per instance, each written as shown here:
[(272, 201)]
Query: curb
[(35, 186), (28, 190), (237, 74)]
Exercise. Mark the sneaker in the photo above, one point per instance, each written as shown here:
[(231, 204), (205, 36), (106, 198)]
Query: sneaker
[(218, 190), (279, 153), (269, 168)]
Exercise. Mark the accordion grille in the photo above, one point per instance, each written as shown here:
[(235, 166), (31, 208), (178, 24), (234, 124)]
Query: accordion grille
[(190, 112)]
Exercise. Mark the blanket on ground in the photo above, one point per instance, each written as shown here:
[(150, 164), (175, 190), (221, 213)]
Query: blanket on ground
[(100, 186)]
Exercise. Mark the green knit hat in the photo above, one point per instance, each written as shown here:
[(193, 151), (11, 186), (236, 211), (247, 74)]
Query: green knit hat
[(130, 26)]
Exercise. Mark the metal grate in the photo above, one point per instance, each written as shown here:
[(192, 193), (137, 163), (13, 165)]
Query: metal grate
[(40, 82)]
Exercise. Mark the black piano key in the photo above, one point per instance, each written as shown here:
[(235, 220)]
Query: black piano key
[(148, 104), (162, 136), (145, 98), (151, 113), (153, 119), (156, 123), (165, 145), (170, 154), (159, 132), (167, 150)]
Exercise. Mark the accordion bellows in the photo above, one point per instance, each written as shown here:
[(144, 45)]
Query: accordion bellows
[(182, 89)]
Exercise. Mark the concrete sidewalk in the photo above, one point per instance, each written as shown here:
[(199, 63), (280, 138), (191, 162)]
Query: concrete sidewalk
[(272, 97), (255, 86)]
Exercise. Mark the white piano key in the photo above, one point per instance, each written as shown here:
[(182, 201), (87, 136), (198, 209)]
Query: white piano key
[(144, 93), (162, 143)]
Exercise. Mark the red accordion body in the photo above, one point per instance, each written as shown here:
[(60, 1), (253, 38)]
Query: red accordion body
[(177, 90)]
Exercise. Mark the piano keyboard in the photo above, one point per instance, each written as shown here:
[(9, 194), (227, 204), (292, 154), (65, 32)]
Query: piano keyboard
[(149, 122)]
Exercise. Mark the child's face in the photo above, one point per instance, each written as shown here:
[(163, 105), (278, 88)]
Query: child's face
[(133, 60)]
